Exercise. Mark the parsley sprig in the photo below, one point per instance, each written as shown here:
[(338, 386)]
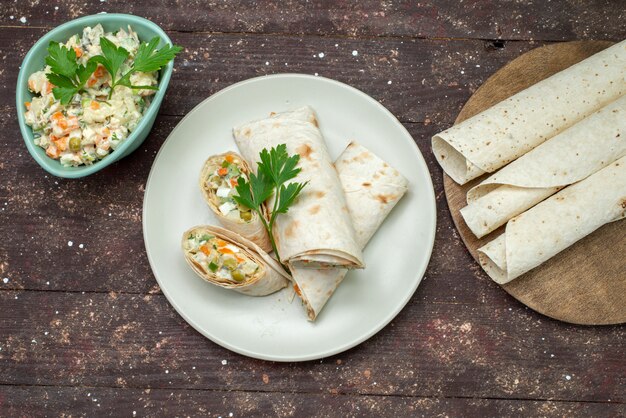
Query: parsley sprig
[(69, 77), (147, 59), (275, 169)]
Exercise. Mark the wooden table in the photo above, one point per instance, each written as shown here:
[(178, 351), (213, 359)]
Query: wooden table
[(85, 330)]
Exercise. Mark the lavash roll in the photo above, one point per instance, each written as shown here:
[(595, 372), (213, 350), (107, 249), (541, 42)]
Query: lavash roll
[(270, 277), (372, 190), (253, 229), (574, 154), (511, 128), (317, 230), (556, 223)]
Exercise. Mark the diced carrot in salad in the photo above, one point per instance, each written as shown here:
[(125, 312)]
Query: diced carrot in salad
[(100, 71), (52, 151)]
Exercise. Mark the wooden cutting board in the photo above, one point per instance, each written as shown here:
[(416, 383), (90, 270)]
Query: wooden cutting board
[(586, 283)]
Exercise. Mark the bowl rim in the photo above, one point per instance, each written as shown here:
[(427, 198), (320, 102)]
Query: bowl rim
[(53, 166)]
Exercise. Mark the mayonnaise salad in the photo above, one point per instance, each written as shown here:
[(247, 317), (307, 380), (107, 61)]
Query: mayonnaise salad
[(92, 124)]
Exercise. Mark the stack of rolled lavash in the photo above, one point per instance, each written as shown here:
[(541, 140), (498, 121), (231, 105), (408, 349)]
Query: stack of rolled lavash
[(564, 140), (323, 234)]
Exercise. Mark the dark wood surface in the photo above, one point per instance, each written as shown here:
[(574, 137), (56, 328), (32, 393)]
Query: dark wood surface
[(85, 330)]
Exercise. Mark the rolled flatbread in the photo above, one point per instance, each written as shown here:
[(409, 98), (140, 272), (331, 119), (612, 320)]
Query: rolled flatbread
[(511, 128), (317, 230), (574, 154), (218, 180), (225, 259), (556, 223), (372, 189)]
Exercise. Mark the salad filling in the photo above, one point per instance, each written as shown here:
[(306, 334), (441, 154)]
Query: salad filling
[(220, 184), (96, 120), (220, 258)]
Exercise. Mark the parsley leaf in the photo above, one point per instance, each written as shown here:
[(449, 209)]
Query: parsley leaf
[(287, 195), (278, 165), (61, 80), (64, 94), (253, 194), (149, 59), (275, 169), (112, 56), (61, 60), (66, 74), (145, 50), (85, 71)]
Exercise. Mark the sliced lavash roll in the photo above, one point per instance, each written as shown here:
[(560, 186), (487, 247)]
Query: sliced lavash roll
[(251, 228), (317, 230), (556, 223), (372, 189), (569, 157), (511, 128), (268, 278)]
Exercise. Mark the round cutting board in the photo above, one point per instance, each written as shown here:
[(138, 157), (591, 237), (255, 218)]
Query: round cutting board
[(586, 283)]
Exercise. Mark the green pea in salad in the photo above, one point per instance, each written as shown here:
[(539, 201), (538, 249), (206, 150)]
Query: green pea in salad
[(93, 92)]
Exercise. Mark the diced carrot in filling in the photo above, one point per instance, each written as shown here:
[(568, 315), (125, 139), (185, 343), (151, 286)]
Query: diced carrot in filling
[(94, 105), (229, 158), (205, 249), (222, 171)]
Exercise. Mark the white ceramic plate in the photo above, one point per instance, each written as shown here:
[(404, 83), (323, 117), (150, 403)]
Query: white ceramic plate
[(271, 327)]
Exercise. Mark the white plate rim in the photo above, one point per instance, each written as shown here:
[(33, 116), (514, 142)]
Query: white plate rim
[(381, 323)]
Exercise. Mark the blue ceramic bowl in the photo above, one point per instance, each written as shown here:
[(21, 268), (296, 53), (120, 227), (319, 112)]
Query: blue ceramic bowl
[(35, 61)]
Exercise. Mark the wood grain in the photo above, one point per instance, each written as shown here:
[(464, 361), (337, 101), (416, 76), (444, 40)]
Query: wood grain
[(116, 402), (431, 349), (586, 283), (476, 19)]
